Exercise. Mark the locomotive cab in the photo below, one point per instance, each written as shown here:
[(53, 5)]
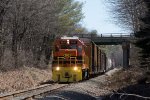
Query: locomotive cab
[(69, 60)]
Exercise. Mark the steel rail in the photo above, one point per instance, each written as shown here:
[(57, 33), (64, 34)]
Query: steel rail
[(31, 93)]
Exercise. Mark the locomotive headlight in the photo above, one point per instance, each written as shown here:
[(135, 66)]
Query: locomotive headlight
[(67, 41), (75, 68), (57, 68)]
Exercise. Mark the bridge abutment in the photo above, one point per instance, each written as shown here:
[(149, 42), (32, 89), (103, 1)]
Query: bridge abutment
[(126, 50)]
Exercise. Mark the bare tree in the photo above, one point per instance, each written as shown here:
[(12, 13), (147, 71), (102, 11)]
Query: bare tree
[(3, 10), (26, 24), (127, 13), (27, 29)]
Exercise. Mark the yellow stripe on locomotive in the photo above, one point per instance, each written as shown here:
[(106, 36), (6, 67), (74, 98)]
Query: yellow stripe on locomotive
[(67, 74), (66, 71)]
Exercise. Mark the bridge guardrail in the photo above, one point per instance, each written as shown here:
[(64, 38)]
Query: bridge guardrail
[(115, 35)]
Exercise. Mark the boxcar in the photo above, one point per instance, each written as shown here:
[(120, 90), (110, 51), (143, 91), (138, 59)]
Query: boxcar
[(97, 58)]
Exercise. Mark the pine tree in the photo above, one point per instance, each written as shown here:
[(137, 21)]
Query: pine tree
[(143, 36), (70, 15)]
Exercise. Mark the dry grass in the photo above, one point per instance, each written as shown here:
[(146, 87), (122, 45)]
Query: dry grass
[(23, 78), (123, 78)]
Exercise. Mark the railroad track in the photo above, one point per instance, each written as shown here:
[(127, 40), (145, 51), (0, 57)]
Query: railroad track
[(31, 93)]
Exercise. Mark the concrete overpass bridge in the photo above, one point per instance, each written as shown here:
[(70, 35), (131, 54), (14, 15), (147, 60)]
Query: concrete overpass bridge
[(107, 39), (112, 39)]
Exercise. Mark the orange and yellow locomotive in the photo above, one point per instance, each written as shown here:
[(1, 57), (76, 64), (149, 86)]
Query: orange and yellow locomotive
[(76, 59)]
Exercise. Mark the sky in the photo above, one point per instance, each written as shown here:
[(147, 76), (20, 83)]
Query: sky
[(98, 17)]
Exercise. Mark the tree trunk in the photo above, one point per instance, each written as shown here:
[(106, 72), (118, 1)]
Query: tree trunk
[(1, 43), (14, 49)]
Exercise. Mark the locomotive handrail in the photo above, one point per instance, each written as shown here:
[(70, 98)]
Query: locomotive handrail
[(58, 60), (75, 60)]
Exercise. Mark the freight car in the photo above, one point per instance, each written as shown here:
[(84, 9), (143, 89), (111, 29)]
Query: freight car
[(75, 59)]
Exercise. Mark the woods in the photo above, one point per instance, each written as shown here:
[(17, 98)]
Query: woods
[(134, 15), (143, 36), (126, 13), (27, 28)]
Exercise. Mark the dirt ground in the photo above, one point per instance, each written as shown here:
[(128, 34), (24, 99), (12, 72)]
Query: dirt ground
[(107, 83), (23, 78)]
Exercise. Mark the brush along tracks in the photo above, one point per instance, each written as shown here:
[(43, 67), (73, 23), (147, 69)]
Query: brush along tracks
[(31, 93)]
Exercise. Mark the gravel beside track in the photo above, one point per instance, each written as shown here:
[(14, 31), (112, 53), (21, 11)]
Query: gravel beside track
[(91, 89), (86, 90)]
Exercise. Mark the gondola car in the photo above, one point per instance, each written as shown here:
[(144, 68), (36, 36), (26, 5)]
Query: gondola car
[(75, 59)]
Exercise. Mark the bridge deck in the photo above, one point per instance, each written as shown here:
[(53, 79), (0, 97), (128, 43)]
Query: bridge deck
[(106, 39)]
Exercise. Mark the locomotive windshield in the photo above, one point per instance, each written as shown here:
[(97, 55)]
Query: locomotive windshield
[(65, 46), (68, 44)]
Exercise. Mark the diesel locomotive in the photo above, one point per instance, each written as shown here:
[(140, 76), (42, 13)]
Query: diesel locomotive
[(76, 59)]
